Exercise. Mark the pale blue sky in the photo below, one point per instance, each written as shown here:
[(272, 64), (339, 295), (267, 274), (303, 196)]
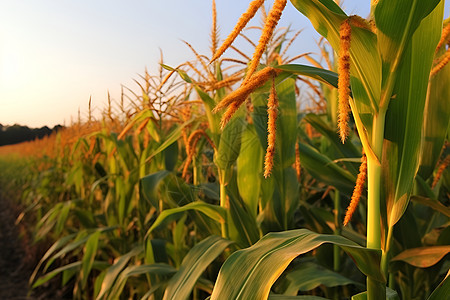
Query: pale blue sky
[(55, 54)]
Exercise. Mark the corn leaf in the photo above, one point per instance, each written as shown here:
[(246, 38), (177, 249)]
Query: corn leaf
[(169, 140), (346, 150), (242, 226), (308, 276), (194, 264), (150, 186), (90, 251), (436, 119), (404, 117), (230, 142), (80, 239), (324, 169), (285, 176), (250, 273), (433, 203), (56, 245), (72, 267), (396, 23), (180, 72), (322, 75), (154, 269), (215, 212), (213, 119), (249, 169), (114, 270), (279, 211), (443, 290), (171, 156), (423, 257), (390, 295)]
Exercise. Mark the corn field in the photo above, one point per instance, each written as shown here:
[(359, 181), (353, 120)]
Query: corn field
[(253, 176)]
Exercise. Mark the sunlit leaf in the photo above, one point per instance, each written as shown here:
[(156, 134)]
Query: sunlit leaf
[(423, 257), (195, 262), (250, 273)]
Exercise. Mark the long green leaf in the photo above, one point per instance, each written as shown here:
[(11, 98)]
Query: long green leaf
[(90, 250), (404, 117), (56, 245), (215, 212), (242, 225), (395, 29), (250, 273), (310, 275), (322, 75), (443, 290), (196, 261), (285, 176), (325, 170), (73, 266), (169, 140), (436, 119), (213, 119), (281, 205), (155, 269), (230, 143), (346, 150), (150, 186), (113, 271), (249, 169), (390, 295)]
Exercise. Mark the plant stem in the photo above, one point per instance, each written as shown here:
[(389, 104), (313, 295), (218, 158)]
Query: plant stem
[(373, 205), (375, 290), (223, 202), (385, 255), (337, 230)]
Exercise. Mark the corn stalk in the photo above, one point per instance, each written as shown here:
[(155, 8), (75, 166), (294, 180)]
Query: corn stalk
[(390, 63)]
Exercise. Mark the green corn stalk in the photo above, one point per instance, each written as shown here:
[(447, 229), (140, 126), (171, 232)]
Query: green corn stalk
[(389, 77)]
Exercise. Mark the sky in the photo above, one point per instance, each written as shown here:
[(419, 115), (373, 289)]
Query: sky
[(55, 55)]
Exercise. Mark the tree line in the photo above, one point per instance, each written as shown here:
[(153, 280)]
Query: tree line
[(18, 133)]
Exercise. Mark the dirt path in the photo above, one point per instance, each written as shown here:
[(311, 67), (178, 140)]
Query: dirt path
[(18, 258), (14, 267)]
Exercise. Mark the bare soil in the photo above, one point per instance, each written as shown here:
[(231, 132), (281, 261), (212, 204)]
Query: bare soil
[(18, 258), (15, 266)]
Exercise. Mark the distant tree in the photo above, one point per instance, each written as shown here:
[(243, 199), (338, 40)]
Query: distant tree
[(17, 133)]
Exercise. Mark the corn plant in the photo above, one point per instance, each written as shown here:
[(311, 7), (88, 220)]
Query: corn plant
[(388, 77), (96, 213)]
